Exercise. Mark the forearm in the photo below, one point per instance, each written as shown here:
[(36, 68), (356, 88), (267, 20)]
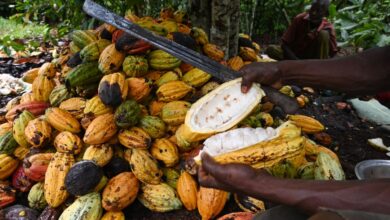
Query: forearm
[(366, 73), (309, 196)]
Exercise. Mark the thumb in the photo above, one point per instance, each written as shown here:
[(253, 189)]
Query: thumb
[(246, 83), (211, 166)]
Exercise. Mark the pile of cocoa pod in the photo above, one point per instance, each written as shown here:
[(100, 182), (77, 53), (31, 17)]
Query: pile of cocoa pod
[(97, 131)]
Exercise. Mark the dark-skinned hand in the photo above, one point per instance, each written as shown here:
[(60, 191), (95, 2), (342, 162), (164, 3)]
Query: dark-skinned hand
[(228, 177), (263, 73)]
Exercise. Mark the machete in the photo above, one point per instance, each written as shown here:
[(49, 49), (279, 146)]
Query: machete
[(194, 58)]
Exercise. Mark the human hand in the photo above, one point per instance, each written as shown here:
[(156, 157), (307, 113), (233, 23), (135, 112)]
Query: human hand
[(264, 73), (227, 177)]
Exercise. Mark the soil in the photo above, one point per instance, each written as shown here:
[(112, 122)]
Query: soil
[(349, 136)]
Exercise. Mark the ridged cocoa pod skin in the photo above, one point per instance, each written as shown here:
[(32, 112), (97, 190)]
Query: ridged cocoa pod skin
[(7, 166), (171, 176), (135, 138), (308, 124), (20, 181), (139, 88), (84, 207), (42, 87), (59, 94), (159, 198), (249, 204), (19, 125), (30, 75), (5, 127), (145, 167), (62, 120), (153, 125), (36, 108), (101, 154), (187, 190), (110, 60), (27, 97), (165, 151), (36, 197), (7, 143), (35, 166), (210, 202), (173, 91), (67, 142), (236, 63), (96, 107), (248, 54), (7, 194), (111, 215), (120, 191), (38, 132), (161, 60), (48, 70), (75, 106), (101, 129), (213, 51), (50, 213), (196, 77), (55, 190), (174, 113)]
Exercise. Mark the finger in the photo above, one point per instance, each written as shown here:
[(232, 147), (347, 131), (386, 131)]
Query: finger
[(246, 83), (211, 166), (206, 180)]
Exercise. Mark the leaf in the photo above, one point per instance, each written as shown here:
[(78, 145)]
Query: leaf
[(384, 40)]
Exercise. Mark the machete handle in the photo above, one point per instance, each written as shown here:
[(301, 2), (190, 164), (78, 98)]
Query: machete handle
[(288, 104)]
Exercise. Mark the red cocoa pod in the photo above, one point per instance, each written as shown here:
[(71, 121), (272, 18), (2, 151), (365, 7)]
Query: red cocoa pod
[(35, 166), (35, 107), (20, 181), (7, 194)]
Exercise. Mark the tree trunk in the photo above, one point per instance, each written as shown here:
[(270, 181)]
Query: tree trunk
[(200, 14), (252, 17), (225, 25)]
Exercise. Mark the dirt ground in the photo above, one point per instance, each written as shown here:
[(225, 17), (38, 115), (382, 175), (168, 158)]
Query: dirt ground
[(349, 139)]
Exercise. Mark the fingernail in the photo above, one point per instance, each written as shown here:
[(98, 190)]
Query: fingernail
[(244, 89)]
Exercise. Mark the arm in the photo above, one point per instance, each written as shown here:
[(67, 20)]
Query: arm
[(365, 73), (306, 195)]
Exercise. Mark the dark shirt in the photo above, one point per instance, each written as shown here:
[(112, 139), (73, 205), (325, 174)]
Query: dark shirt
[(299, 37)]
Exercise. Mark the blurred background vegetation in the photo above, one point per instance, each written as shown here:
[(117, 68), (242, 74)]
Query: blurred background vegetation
[(359, 23)]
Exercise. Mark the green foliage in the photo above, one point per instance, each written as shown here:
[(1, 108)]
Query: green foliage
[(363, 23), (271, 18), (13, 32)]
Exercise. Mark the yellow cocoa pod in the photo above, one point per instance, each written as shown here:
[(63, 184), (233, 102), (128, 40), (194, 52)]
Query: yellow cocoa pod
[(30, 75), (7, 166), (101, 129), (42, 87), (110, 59), (38, 132), (308, 124), (66, 142), (145, 167), (75, 106), (210, 202), (111, 215), (101, 154), (55, 190), (187, 190), (165, 151), (236, 63), (62, 120), (173, 90), (135, 138), (120, 191)]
